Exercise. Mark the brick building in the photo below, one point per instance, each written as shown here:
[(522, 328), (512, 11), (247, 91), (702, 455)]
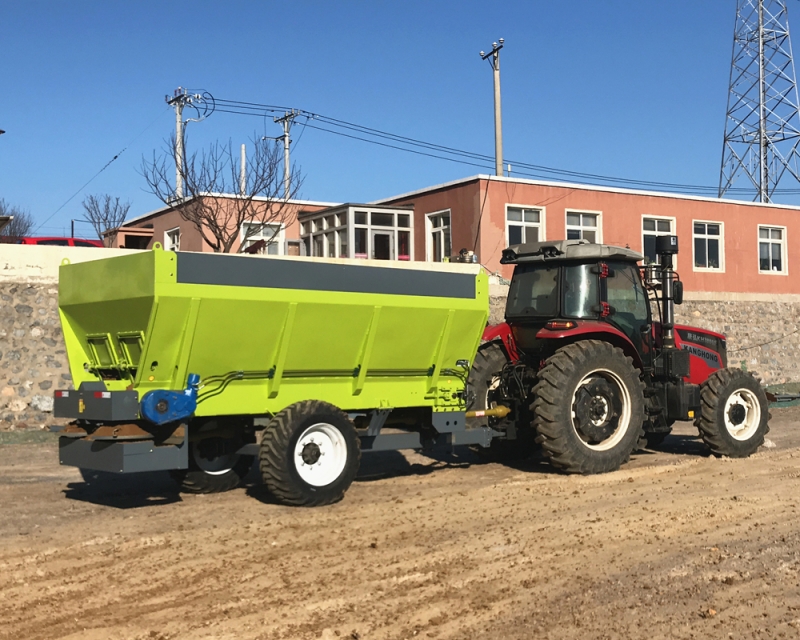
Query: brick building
[(726, 246)]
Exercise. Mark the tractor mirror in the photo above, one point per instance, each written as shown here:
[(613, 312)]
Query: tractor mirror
[(677, 292)]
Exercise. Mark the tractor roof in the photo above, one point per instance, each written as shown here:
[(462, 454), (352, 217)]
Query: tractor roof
[(566, 250)]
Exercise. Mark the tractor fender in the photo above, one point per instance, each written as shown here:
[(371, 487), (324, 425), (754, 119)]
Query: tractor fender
[(503, 333), (593, 331)]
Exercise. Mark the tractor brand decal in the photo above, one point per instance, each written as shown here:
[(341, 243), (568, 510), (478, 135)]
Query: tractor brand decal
[(709, 356), (707, 341)]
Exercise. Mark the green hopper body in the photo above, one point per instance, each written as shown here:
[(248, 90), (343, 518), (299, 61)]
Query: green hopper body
[(264, 333)]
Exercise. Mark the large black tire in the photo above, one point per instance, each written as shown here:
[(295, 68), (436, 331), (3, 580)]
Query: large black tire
[(310, 453), (213, 468), (589, 407), (483, 379), (734, 412)]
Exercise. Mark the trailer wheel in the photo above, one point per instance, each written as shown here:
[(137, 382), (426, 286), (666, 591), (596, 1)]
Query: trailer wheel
[(310, 454), (589, 407), (213, 467), (734, 412)]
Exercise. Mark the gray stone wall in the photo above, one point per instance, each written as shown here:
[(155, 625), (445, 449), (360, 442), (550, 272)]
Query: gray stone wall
[(763, 337), (33, 360)]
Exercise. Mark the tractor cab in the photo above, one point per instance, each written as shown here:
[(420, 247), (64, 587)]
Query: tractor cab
[(573, 287)]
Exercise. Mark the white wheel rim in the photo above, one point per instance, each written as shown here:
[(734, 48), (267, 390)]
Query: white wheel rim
[(214, 466), (624, 418), (742, 400), (320, 454)]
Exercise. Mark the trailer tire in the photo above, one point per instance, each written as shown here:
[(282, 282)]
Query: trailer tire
[(308, 437), (589, 407), (213, 474), (734, 413)]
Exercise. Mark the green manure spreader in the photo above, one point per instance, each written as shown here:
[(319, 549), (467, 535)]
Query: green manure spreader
[(197, 363)]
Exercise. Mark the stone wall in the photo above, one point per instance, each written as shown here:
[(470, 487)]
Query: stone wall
[(33, 359), (32, 356), (763, 331)]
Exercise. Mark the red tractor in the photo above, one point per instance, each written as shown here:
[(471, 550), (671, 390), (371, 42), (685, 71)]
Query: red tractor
[(583, 368)]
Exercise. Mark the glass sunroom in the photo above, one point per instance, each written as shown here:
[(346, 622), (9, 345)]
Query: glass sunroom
[(359, 231)]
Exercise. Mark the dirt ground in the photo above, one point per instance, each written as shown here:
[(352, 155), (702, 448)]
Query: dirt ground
[(674, 545)]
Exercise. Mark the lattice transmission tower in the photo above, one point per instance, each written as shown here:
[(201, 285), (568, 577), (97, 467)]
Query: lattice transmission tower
[(762, 125)]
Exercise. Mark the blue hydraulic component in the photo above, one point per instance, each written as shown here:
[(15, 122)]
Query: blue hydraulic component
[(161, 406)]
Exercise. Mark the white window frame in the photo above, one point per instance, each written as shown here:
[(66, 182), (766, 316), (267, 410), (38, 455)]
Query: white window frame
[(673, 225), (784, 254), (540, 224), (720, 238), (279, 239), (598, 228), (429, 230), (169, 244)]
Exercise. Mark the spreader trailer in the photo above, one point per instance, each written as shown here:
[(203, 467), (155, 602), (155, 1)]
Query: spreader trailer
[(178, 359)]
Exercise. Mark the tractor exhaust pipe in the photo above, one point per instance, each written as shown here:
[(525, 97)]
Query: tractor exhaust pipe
[(666, 247)]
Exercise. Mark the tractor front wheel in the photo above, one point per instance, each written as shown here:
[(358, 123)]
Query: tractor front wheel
[(589, 407), (733, 413), (310, 453)]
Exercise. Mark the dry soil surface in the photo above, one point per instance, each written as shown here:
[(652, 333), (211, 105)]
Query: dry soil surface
[(675, 545)]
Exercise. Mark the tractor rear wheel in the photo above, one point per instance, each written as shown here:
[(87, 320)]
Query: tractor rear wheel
[(213, 466), (589, 407), (310, 454), (733, 413), (484, 382)]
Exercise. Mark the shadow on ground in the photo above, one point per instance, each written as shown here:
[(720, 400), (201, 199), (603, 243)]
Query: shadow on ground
[(124, 491)]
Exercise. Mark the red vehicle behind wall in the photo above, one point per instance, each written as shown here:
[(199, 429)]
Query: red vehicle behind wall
[(61, 242), (589, 374)]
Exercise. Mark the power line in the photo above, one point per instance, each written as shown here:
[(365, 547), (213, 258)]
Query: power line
[(441, 152), (105, 166)]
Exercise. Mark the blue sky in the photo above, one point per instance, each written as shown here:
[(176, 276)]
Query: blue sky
[(623, 88)]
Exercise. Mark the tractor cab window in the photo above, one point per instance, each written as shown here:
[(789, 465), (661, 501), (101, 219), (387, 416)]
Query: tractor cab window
[(580, 291), (629, 300), (533, 291)]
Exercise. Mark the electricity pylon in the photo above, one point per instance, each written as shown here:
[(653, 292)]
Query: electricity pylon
[(762, 124)]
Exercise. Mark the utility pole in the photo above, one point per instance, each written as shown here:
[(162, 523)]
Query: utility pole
[(762, 123), (494, 59), (203, 104), (286, 120)]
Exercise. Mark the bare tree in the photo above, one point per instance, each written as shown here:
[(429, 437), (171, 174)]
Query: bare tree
[(223, 205), (20, 226), (106, 215)]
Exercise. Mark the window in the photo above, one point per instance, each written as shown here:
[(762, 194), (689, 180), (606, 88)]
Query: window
[(584, 226), (522, 225), (172, 240), (438, 235), (707, 245), (772, 249), (631, 307), (379, 234), (271, 234), (533, 291), (651, 229)]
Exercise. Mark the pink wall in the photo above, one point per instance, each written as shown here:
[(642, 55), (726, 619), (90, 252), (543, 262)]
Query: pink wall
[(191, 238), (621, 221)]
